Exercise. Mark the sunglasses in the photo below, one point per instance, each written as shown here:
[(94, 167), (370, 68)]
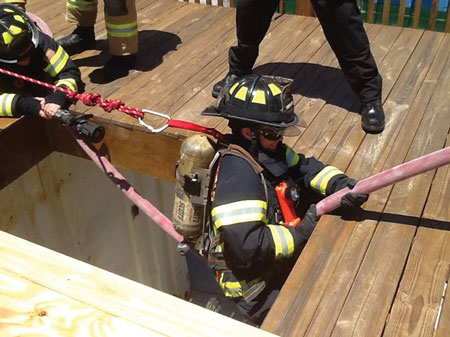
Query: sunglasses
[(272, 133)]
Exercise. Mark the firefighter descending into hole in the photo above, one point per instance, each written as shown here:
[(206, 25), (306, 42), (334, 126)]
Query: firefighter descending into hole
[(24, 49), (250, 245)]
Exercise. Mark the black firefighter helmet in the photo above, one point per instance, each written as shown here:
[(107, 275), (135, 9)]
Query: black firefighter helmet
[(259, 100), (18, 34)]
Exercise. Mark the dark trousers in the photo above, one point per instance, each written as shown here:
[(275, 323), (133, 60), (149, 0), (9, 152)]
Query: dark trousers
[(343, 27)]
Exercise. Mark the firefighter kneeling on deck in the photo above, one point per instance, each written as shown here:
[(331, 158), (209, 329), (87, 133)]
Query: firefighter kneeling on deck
[(24, 49), (252, 250)]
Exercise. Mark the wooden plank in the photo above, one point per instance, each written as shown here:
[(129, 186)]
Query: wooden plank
[(433, 14), (401, 13), (28, 309), (370, 11), (112, 294), (281, 6), (315, 269), (417, 9), (304, 7), (386, 8), (6, 122), (447, 22)]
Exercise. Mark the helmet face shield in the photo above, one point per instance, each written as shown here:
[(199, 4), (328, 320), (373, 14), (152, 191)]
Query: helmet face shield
[(21, 47)]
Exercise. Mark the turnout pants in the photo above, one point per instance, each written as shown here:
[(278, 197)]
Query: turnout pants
[(342, 25), (120, 21)]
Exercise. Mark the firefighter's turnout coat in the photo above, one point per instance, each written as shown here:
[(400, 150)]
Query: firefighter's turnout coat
[(49, 63), (247, 223)]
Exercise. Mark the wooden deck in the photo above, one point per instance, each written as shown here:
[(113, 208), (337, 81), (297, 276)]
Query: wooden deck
[(381, 276)]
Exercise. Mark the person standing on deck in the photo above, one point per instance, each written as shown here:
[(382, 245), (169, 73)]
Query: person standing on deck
[(121, 27), (343, 27), (252, 247), (24, 49)]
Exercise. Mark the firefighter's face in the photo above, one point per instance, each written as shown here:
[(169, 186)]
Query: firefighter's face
[(269, 144), (269, 139)]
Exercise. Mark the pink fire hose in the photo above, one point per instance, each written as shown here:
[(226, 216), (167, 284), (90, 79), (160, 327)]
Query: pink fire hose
[(119, 180), (391, 176)]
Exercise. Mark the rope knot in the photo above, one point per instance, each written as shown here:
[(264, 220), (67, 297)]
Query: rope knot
[(111, 104), (89, 98)]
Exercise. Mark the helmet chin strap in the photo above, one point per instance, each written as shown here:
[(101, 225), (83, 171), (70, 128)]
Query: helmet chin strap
[(255, 144)]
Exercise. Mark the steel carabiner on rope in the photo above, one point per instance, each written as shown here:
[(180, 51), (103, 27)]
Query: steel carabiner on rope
[(151, 128)]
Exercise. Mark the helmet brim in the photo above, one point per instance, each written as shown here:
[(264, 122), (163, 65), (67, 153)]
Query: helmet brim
[(292, 128)]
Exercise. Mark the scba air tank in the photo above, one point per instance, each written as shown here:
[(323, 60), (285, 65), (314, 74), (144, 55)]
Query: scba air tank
[(192, 186)]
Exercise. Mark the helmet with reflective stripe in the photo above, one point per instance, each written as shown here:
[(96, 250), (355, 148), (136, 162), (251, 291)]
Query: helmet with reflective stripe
[(258, 99), (18, 34)]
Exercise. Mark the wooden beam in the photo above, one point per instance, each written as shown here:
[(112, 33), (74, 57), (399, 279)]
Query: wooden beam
[(304, 7), (401, 13), (433, 14), (447, 22), (134, 150), (5, 122), (370, 11), (386, 8), (417, 9)]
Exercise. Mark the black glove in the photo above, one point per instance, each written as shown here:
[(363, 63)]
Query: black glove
[(308, 223), (353, 200), (59, 98), (28, 106)]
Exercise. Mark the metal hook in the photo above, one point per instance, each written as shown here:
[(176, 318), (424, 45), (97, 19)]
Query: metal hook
[(151, 128)]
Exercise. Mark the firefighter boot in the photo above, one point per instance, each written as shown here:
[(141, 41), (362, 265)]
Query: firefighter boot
[(227, 81), (372, 117), (80, 39)]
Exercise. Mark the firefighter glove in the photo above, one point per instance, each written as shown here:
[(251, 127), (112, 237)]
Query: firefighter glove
[(353, 200), (57, 97), (308, 223), (28, 106)]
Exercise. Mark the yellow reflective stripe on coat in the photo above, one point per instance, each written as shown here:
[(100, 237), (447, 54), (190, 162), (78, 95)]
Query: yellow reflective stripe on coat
[(68, 82), (321, 180), (283, 240), (6, 104), (292, 158), (81, 5), (236, 288), (220, 247), (238, 212), (122, 30), (57, 62)]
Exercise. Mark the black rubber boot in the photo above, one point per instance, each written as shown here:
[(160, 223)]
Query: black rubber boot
[(81, 39), (227, 81), (372, 117)]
